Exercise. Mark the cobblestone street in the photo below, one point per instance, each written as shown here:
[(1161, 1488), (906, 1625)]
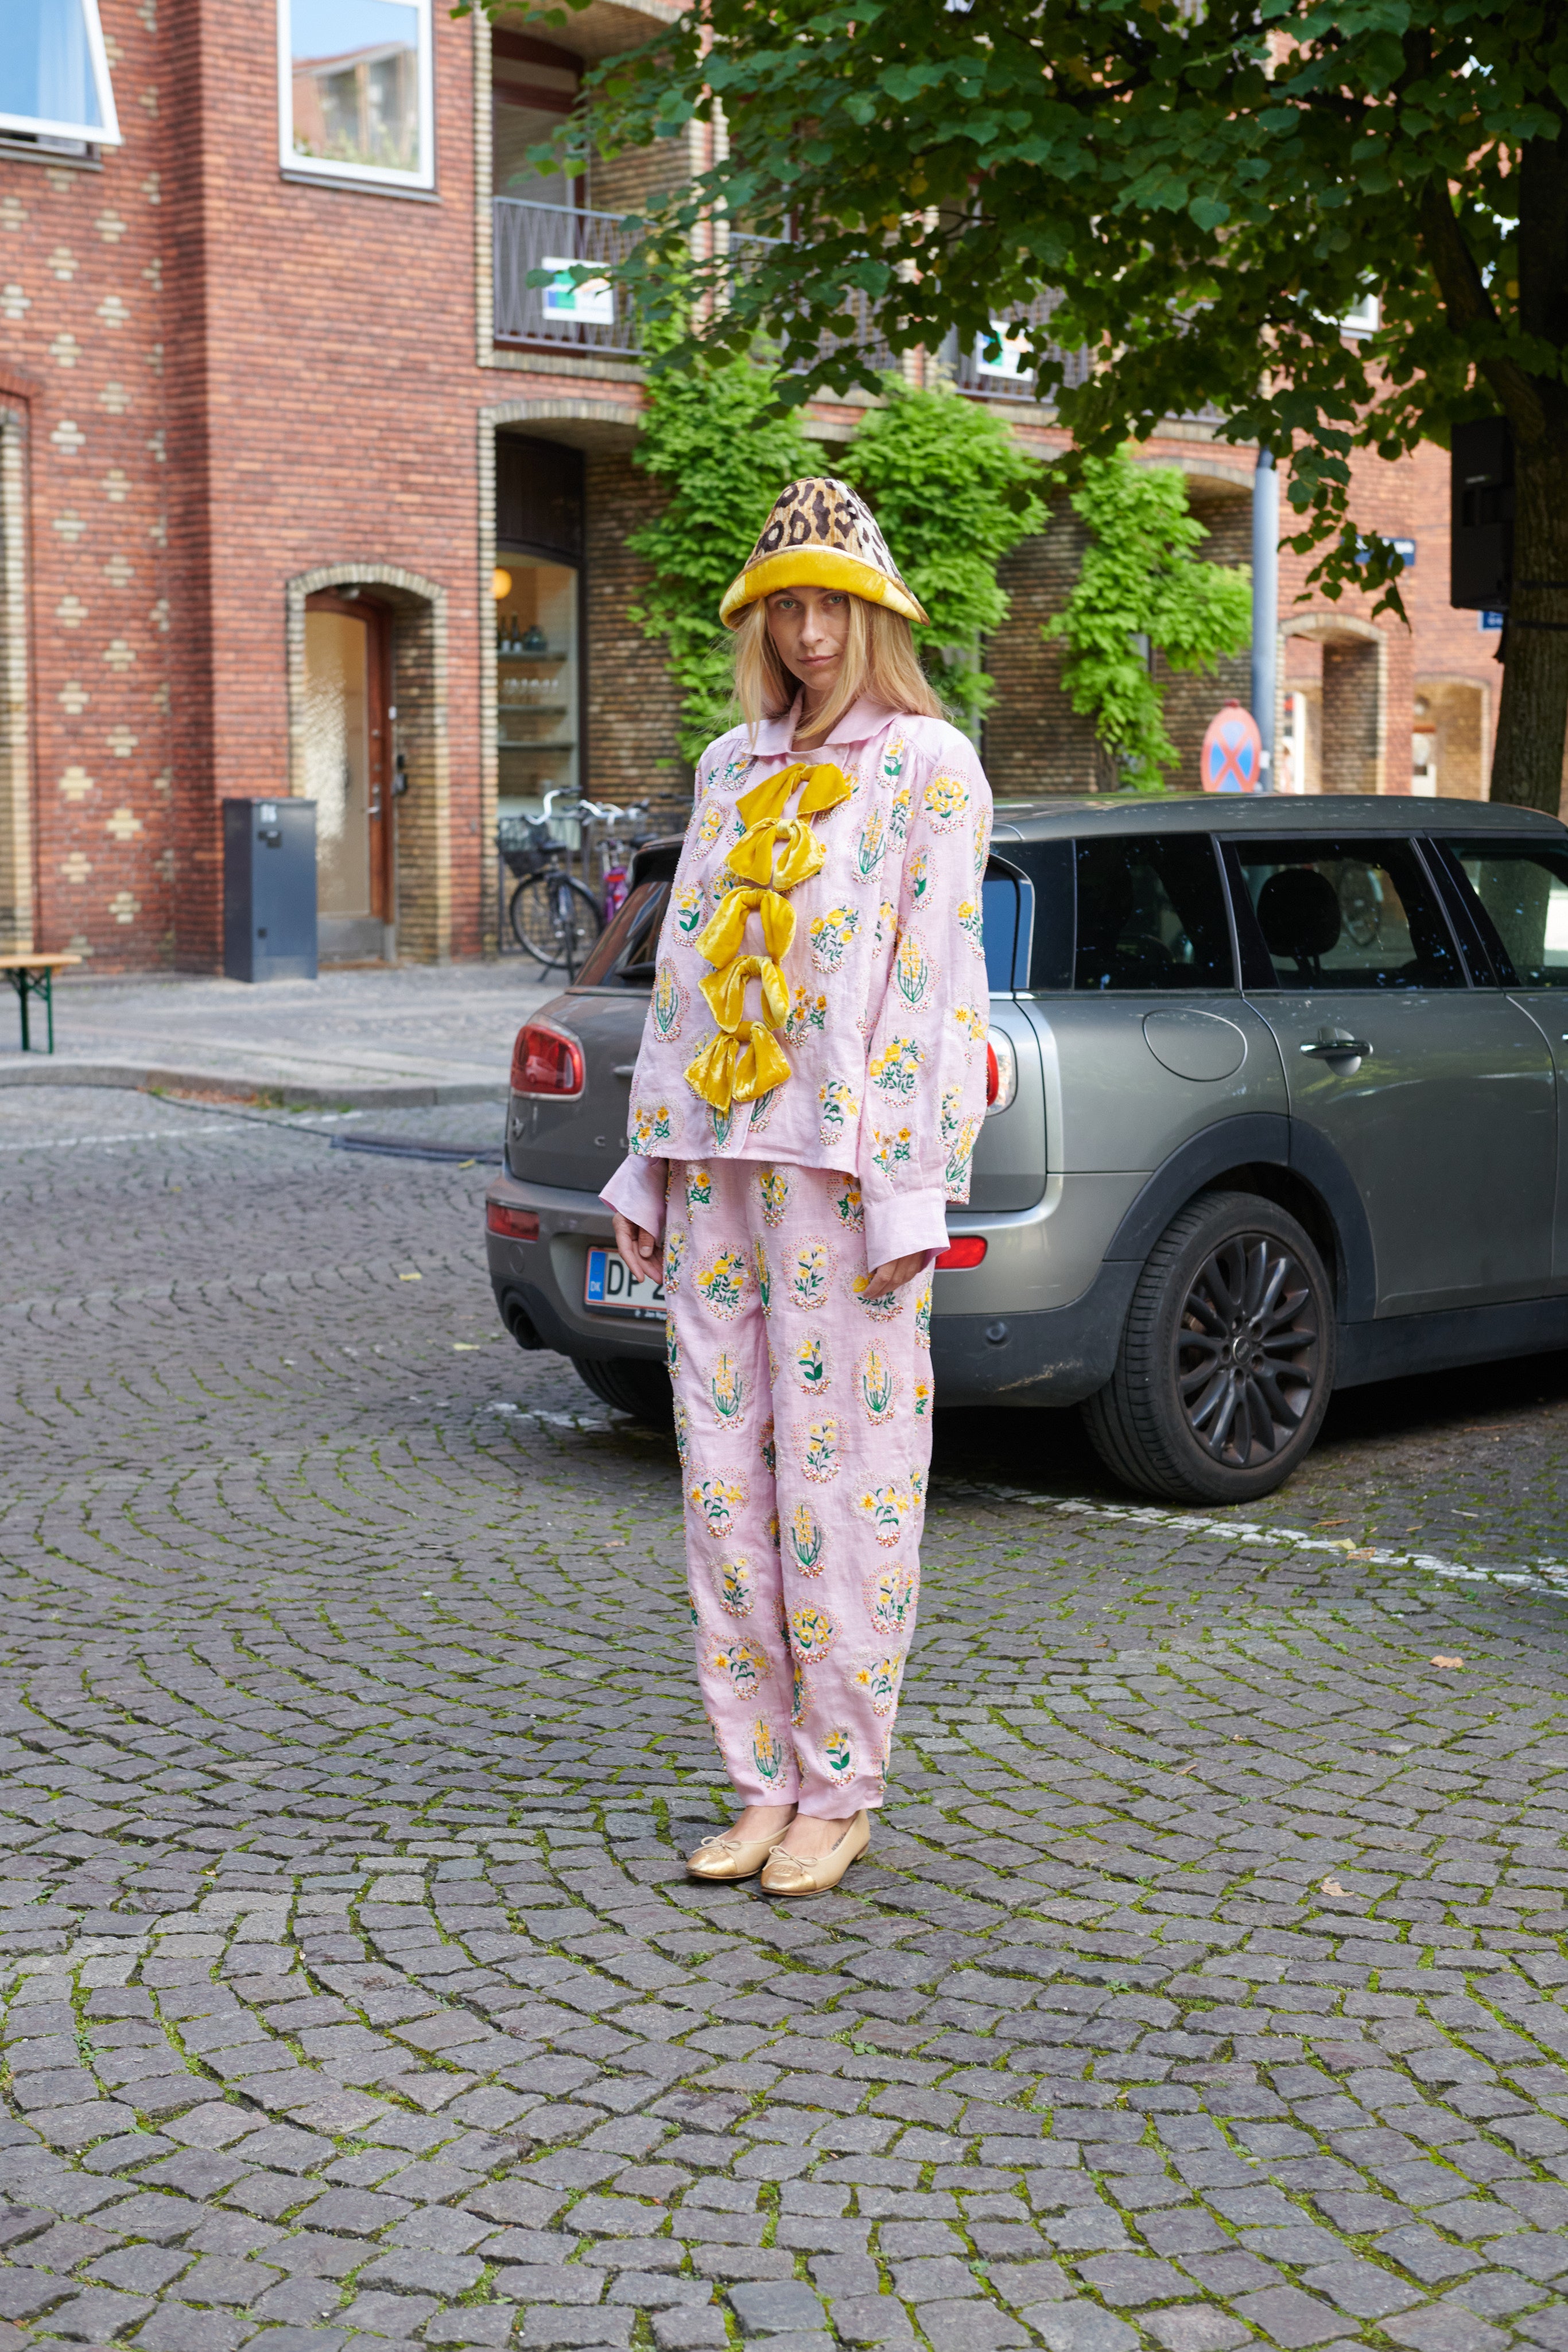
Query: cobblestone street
[(1206, 1982)]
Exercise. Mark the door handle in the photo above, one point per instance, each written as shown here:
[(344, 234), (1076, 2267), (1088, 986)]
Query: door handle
[(1338, 1048)]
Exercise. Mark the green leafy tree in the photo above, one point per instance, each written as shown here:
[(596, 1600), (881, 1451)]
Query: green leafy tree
[(714, 435), (952, 493), (1141, 578), (1210, 191)]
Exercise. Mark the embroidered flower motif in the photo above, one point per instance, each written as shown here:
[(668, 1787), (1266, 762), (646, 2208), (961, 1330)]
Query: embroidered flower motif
[(893, 751), (650, 1131), (830, 936), (806, 1539), (746, 1665), (899, 816), (892, 1150), (727, 1387), (763, 1110), (764, 1276), (812, 1633), (721, 1121), (946, 800), (955, 1175), (879, 1386), (881, 1310), (886, 924), (722, 1285), (973, 1025), (871, 847), (672, 1347), (800, 1698), (879, 1680), (887, 1508), (914, 975), (847, 1206), (736, 1587), (819, 1452), (682, 1433), (890, 1596), (718, 1501), (676, 1242), (668, 1003), (688, 906), (838, 1755), (768, 1753), (698, 1190), (840, 1108), (773, 1183), (982, 844), (767, 1448), (922, 1399), (971, 923), (811, 1367), (922, 1316), (919, 876), (810, 1276), (805, 1014), (895, 1070), (713, 821)]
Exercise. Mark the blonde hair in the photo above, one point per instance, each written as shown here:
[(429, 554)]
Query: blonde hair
[(879, 662)]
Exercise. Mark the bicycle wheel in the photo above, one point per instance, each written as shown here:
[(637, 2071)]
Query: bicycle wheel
[(555, 920)]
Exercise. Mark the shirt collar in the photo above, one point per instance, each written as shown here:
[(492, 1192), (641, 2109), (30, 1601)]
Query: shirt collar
[(859, 724)]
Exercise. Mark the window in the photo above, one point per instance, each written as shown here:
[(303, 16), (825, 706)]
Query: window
[(533, 88), (356, 91), (1151, 915), (1347, 915), (1525, 896), (627, 951), (54, 75)]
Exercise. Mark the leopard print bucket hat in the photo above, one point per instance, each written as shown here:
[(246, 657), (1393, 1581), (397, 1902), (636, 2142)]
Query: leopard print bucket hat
[(820, 534)]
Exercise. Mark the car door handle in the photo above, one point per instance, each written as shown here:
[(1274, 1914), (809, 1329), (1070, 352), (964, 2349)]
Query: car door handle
[(1337, 1048)]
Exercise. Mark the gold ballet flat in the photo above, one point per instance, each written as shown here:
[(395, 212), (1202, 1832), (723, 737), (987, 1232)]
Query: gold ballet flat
[(786, 1873), (729, 1857)]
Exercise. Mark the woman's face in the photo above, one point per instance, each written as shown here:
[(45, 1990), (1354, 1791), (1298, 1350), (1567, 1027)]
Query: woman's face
[(810, 629)]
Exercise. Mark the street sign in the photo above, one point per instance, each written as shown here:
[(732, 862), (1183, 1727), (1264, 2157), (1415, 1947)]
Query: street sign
[(1232, 757)]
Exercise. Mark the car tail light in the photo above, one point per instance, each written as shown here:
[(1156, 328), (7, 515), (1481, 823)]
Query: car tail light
[(967, 1250), (517, 1224), (1001, 1072), (545, 1062)]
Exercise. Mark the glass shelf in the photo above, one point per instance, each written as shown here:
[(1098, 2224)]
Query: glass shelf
[(544, 653)]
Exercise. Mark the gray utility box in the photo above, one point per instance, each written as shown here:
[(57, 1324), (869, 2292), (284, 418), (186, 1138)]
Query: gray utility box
[(270, 889)]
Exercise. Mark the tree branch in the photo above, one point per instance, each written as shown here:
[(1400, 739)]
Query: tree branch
[(1469, 304)]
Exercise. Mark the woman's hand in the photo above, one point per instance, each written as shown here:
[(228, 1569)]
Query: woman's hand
[(639, 1249), (885, 1279)]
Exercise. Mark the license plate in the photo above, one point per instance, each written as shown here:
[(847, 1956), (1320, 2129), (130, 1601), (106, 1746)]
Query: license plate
[(610, 1286)]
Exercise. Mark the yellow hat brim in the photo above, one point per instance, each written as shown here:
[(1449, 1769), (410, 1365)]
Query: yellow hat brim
[(817, 567)]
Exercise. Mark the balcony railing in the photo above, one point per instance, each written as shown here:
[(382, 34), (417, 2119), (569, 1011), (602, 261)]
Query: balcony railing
[(597, 314), (594, 315)]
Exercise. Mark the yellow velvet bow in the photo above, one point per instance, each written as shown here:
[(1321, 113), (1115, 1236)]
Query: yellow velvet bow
[(752, 859), (739, 1069), (726, 991), (721, 938), (745, 1059)]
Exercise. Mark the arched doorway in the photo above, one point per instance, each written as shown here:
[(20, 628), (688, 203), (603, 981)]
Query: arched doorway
[(347, 771)]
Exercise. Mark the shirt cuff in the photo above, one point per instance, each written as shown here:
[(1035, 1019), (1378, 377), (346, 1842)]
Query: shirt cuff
[(905, 1224), (637, 1190)]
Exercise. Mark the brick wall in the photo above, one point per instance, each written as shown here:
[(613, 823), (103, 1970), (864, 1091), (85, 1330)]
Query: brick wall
[(633, 705)]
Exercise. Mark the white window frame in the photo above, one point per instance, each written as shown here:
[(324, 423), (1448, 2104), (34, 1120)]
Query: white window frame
[(106, 134), (363, 175)]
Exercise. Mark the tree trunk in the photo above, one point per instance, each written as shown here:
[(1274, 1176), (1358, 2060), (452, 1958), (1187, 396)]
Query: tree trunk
[(1532, 716)]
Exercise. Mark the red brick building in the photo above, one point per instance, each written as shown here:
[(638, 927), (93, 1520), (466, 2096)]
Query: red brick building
[(280, 416)]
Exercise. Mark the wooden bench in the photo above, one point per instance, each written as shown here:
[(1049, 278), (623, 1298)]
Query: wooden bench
[(34, 975)]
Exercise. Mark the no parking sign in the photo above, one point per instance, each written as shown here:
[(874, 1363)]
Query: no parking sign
[(1232, 757)]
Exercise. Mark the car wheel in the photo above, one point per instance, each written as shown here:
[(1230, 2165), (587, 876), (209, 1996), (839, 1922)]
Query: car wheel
[(1227, 1360), (631, 1385)]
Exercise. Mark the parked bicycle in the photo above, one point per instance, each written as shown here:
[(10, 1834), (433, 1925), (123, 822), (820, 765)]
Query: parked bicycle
[(615, 854), (554, 918)]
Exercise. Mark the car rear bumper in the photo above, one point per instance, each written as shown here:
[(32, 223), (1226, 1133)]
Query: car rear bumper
[(1053, 1356)]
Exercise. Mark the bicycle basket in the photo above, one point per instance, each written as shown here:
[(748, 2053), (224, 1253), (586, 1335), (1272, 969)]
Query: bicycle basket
[(522, 843)]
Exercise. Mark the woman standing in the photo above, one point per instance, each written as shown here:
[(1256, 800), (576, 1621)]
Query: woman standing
[(810, 1082)]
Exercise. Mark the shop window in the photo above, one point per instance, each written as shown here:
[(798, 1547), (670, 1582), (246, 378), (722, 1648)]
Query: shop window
[(55, 89), (533, 88), (356, 91), (538, 602)]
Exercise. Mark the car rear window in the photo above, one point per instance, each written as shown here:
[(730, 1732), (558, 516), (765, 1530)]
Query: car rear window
[(1523, 892), (626, 950), (1354, 913)]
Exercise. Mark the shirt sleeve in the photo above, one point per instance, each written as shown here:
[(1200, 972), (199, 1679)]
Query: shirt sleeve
[(925, 1088), (637, 1190)]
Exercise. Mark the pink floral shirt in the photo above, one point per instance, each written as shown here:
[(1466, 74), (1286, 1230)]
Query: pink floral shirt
[(886, 1023)]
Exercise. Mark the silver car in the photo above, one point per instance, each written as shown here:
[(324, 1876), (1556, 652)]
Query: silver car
[(1278, 1105)]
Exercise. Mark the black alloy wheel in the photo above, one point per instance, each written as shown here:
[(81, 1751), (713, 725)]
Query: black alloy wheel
[(1227, 1360)]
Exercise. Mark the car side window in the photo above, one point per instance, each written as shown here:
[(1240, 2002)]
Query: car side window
[(1523, 895), (1348, 914), (627, 951), (1150, 914)]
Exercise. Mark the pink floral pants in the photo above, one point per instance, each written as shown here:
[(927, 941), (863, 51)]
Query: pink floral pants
[(804, 1421)]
